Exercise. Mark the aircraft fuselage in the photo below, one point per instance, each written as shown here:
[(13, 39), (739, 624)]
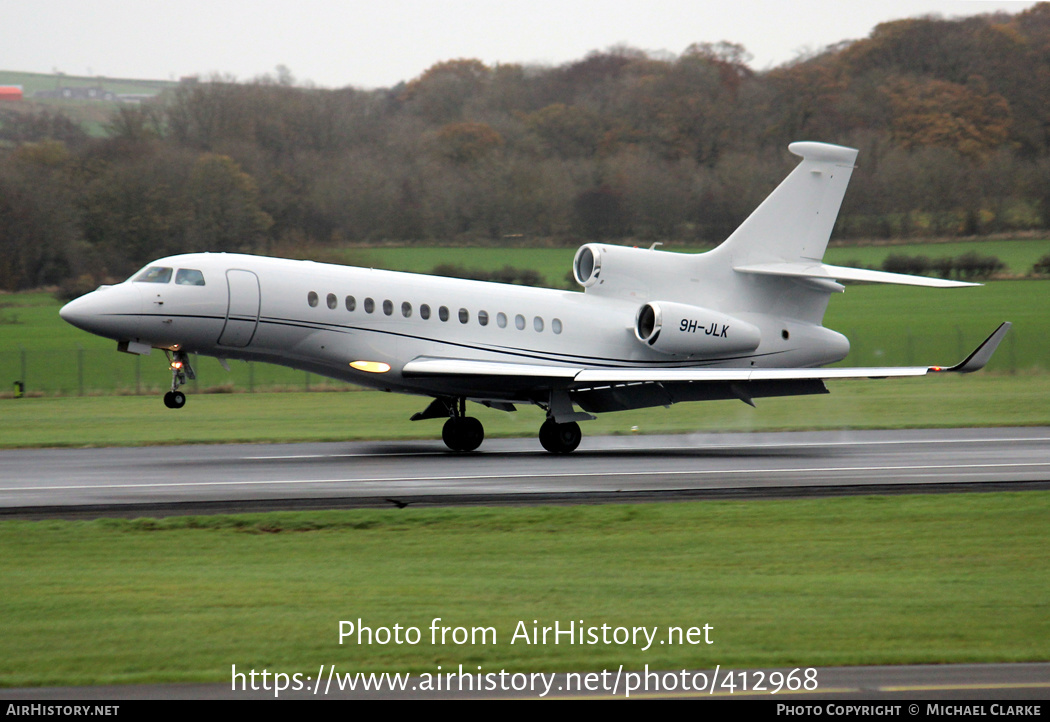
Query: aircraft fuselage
[(322, 318)]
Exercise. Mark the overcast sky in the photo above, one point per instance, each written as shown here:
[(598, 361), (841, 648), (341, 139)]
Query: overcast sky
[(335, 43)]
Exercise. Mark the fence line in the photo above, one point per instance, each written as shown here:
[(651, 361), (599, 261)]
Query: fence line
[(80, 371)]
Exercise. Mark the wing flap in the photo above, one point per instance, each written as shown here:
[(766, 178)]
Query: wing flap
[(611, 376), (431, 366)]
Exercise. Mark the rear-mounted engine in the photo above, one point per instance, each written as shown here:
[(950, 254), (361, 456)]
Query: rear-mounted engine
[(682, 330)]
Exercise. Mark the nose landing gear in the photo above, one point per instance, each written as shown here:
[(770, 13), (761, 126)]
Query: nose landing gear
[(174, 399), (179, 361)]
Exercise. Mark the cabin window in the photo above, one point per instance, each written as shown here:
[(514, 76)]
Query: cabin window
[(501, 319), (406, 309), (424, 312), (189, 277), (370, 305), (388, 307), (312, 299), (519, 322), (443, 313), (537, 323), (332, 301), (556, 325), (154, 274), (483, 318), (464, 315), (351, 303)]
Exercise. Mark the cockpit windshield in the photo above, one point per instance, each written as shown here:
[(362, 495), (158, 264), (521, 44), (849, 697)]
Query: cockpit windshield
[(162, 274), (189, 277), (154, 274)]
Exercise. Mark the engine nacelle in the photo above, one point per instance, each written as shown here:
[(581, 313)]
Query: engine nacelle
[(682, 330), (587, 265), (624, 272)]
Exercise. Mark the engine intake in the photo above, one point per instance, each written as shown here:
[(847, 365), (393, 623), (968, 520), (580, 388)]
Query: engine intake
[(587, 265), (679, 329)]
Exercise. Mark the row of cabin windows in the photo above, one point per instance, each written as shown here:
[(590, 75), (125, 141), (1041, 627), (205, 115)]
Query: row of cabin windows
[(425, 311)]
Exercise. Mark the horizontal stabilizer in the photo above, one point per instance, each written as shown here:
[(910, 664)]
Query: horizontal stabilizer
[(843, 273)]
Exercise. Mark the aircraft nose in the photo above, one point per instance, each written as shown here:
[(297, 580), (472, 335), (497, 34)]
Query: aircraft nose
[(100, 312), (77, 312)]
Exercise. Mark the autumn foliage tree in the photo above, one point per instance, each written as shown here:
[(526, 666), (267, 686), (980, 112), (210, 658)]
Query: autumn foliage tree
[(951, 118)]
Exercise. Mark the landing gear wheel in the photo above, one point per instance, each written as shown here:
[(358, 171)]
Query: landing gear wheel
[(463, 433), (174, 399), (560, 438), (179, 362)]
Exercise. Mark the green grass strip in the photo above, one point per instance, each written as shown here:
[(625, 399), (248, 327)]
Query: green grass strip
[(982, 399), (871, 580)]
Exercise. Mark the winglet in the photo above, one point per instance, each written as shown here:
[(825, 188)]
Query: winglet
[(981, 355)]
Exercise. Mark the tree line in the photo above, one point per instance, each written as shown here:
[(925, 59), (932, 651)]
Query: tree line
[(970, 266), (951, 118)]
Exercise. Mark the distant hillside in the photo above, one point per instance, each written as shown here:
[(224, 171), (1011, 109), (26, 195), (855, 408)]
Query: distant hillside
[(86, 101), (35, 82)]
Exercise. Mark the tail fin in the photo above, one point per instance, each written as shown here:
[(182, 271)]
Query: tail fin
[(794, 223), (787, 235)]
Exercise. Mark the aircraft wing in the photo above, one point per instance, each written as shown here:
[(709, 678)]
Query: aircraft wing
[(579, 377), (623, 388)]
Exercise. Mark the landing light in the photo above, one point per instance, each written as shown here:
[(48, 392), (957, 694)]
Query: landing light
[(372, 367)]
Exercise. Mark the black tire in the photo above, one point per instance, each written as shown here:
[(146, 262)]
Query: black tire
[(463, 434), (560, 438), (174, 399)]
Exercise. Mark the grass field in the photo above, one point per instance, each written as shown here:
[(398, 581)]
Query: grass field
[(887, 325), (943, 401), (913, 579)]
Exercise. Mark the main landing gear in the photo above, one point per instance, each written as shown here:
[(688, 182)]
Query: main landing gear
[(179, 361), (461, 432), (560, 438), (465, 433)]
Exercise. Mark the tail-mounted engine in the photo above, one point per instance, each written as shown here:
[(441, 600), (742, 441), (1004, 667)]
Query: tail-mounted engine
[(623, 271), (682, 330)]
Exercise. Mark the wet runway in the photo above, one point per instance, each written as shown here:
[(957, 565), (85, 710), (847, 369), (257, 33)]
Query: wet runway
[(203, 479)]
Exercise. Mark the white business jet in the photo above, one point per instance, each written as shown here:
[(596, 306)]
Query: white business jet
[(652, 328)]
